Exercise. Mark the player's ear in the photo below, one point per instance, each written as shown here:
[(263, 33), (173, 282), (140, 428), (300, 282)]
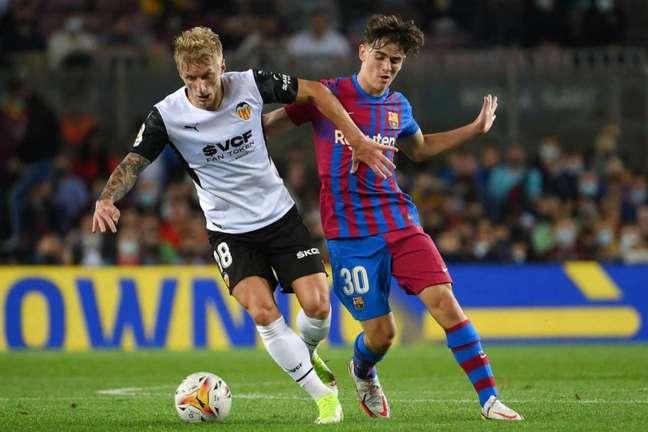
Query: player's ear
[(223, 66), (362, 52)]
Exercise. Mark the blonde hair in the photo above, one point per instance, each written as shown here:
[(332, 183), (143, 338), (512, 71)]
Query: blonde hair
[(197, 45)]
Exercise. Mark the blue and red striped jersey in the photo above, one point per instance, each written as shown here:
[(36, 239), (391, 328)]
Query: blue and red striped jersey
[(360, 204)]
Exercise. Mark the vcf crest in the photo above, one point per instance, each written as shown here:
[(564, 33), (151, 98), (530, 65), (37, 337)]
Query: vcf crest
[(244, 111), (392, 119)]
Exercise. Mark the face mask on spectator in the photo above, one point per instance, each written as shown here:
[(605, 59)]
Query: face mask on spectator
[(588, 188), (549, 153), (545, 4), (146, 198), (629, 240), (604, 237), (565, 236), (128, 248), (604, 5), (481, 249), (638, 196), (74, 24), (518, 255), (574, 167)]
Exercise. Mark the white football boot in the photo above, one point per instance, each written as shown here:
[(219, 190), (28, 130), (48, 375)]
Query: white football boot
[(494, 409), (371, 396)]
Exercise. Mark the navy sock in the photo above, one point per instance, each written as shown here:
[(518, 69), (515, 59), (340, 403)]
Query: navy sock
[(364, 359)]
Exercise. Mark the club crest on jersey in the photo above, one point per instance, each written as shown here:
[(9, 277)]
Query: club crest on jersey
[(358, 303), (392, 119), (244, 111)]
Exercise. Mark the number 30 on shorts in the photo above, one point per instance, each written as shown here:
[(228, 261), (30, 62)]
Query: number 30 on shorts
[(356, 280), (223, 256)]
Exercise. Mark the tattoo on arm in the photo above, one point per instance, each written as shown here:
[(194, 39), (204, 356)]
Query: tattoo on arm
[(123, 178)]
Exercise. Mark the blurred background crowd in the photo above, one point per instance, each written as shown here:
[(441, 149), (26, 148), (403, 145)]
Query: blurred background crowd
[(529, 191)]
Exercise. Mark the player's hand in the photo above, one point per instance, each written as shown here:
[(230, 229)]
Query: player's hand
[(105, 214), (372, 154), (486, 116)]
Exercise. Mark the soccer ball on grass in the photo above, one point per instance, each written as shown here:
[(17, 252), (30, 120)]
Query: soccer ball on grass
[(203, 397)]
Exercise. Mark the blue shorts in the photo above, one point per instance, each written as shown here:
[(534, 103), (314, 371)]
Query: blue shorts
[(363, 269)]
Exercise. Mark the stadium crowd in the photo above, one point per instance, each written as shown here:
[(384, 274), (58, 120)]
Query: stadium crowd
[(503, 202), (500, 203), (72, 32)]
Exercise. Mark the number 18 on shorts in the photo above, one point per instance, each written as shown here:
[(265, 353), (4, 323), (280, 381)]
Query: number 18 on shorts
[(361, 271)]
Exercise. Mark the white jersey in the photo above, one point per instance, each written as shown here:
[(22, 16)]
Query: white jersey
[(225, 151)]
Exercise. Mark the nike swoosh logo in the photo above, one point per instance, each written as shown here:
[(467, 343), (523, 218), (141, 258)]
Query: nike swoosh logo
[(508, 416), (444, 269), (385, 410)]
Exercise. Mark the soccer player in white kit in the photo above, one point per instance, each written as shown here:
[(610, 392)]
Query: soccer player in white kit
[(213, 123)]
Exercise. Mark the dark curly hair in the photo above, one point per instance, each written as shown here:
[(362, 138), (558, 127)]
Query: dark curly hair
[(384, 29)]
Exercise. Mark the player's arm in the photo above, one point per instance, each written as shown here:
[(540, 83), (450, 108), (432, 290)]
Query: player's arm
[(122, 180), (286, 89), (365, 150), (148, 145), (419, 147), (276, 122)]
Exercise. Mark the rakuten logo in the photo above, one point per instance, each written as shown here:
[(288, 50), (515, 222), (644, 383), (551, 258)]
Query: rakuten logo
[(384, 140)]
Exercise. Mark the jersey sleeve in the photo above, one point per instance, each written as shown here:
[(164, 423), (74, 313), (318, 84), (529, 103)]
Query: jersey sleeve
[(410, 126), (276, 87), (301, 113), (152, 137)]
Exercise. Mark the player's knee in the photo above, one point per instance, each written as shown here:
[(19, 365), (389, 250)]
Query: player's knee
[(318, 310), (316, 304), (264, 314)]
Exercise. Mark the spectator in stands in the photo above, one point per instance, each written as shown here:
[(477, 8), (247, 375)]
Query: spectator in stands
[(603, 23), (320, 45), (513, 185), (20, 30), (261, 46), (88, 248), (634, 239), (71, 45), (35, 133), (71, 194)]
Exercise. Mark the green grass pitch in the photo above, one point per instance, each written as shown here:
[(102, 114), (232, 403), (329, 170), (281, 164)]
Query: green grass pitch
[(557, 388)]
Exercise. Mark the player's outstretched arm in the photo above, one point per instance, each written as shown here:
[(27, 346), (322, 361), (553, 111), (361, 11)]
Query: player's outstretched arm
[(419, 147), (121, 181), (365, 150)]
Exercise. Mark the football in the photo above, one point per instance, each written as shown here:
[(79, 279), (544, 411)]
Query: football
[(203, 397)]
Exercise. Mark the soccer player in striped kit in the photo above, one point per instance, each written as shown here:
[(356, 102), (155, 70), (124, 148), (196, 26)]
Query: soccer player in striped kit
[(373, 228)]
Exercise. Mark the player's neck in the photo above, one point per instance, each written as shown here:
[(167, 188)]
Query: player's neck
[(368, 88)]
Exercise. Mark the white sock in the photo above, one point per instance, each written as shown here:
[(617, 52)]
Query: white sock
[(290, 353), (313, 330)]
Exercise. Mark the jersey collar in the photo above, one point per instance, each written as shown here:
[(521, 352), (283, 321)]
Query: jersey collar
[(364, 94)]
